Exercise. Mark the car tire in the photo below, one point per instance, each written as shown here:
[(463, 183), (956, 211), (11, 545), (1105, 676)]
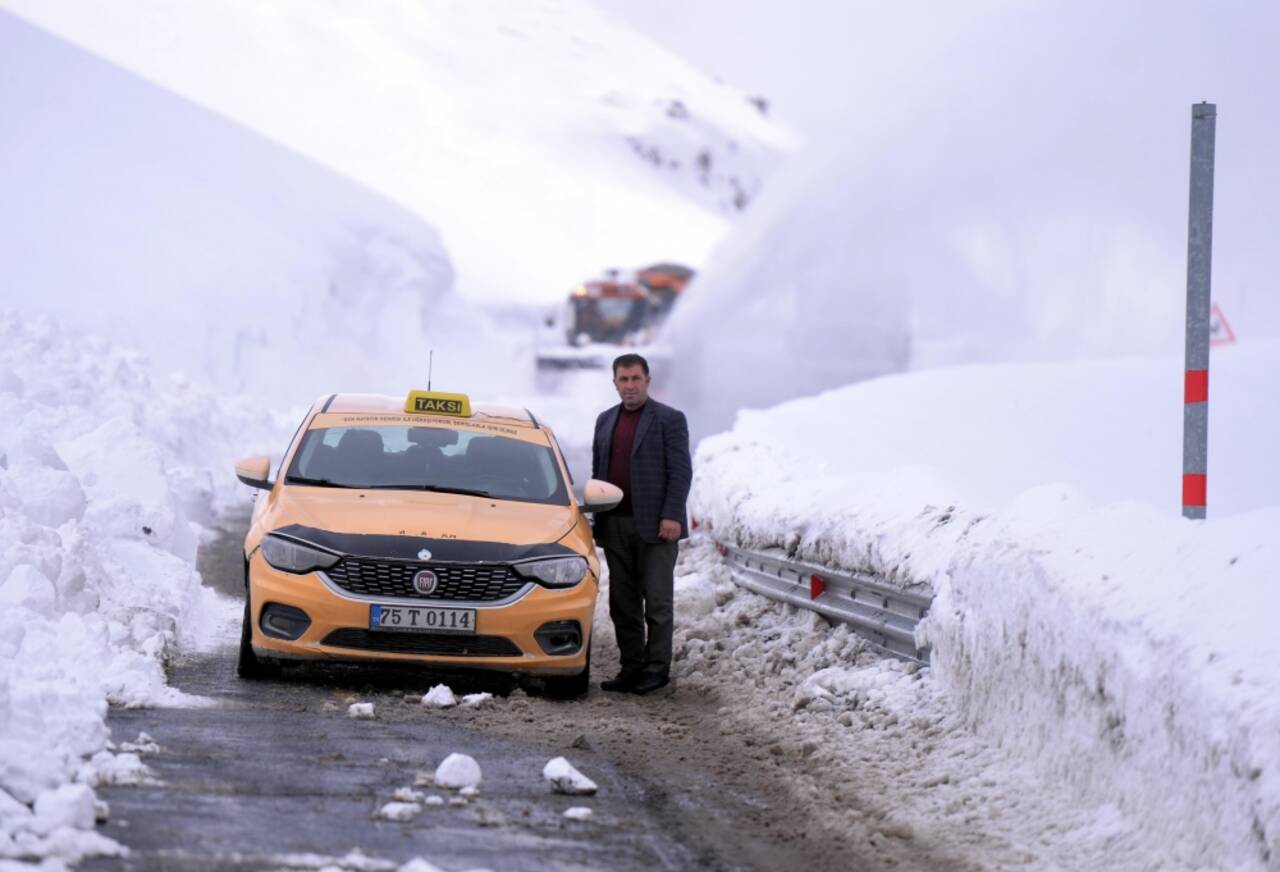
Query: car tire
[(571, 686), (249, 665)]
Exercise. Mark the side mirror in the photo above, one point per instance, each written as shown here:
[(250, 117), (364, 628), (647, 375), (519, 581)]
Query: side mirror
[(599, 496), (253, 471)]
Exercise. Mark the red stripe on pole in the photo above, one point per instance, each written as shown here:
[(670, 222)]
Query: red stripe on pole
[(1197, 386), (1195, 486), (816, 586)]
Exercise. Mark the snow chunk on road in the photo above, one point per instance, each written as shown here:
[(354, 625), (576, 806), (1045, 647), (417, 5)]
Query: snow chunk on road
[(355, 860), (440, 696), (120, 770), (578, 813), (399, 811), (144, 744), (417, 864), (472, 700), (565, 779), (360, 710), (458, 771), (408, 794)]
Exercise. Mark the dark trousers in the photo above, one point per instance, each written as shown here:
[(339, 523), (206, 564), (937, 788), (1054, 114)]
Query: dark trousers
[(641, 594)]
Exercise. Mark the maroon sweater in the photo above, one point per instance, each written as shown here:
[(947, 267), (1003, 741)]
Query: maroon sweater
[(624, 438)]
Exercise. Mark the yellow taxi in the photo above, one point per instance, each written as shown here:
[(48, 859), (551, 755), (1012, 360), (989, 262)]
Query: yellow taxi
[(422, 530)]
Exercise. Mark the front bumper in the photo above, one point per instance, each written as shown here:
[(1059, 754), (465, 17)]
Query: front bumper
[(346, 617)]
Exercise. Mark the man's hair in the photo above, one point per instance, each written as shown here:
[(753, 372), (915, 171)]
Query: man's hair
[(630, 360)]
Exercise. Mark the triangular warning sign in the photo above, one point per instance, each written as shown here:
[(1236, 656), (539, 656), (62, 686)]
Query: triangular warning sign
[(1220, 332)]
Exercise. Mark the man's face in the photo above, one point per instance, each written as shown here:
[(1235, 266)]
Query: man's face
[(632, 385)]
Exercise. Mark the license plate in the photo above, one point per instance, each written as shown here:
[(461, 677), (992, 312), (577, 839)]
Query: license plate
[(419, 619)]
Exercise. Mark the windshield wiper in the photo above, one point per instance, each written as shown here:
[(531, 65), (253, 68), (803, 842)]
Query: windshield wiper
[(443, 489), (315, 482), (324, 482)]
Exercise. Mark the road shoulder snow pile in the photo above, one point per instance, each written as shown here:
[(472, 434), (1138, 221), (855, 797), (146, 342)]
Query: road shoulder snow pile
[(101, 474), (1127, 653)]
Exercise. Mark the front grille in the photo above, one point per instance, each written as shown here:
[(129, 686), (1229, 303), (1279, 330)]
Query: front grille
[(377, 578), (423, 643)]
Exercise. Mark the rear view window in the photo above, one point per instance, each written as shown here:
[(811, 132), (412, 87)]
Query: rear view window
[(429, 458)]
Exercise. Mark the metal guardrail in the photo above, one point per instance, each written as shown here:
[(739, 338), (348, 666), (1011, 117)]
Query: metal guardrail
[(885, 616)]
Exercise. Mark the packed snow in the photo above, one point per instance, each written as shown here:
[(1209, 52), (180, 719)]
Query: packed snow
[(1077, 620), (578, 813)]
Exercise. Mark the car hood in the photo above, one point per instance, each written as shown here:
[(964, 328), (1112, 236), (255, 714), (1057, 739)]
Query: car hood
[(399, 523)]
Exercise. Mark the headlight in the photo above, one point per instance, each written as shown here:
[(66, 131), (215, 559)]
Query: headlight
[(291, 556), (556, 572)]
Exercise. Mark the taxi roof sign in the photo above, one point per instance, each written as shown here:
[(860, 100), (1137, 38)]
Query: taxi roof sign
[(438, 403)]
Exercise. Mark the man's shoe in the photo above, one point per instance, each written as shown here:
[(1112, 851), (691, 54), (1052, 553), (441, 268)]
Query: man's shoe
[(651, 681), (623, 682)]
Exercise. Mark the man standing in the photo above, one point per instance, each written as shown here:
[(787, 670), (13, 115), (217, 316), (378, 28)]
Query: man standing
[(642, 447)]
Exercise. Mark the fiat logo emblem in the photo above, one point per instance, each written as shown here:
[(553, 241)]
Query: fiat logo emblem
[(425, 582)]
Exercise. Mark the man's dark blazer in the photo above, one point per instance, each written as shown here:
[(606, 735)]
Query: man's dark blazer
[(661, 471)]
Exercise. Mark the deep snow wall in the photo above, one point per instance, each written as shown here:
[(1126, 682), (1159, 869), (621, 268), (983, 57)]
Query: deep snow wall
[(134, 214), (1126, 653), (106, 470)]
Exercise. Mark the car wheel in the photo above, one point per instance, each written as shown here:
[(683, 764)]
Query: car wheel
[(571, 686), (249, 665)]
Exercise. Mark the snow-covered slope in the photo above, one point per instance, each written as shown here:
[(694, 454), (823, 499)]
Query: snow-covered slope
[(134, 214), (545, 140), (1078, 622)]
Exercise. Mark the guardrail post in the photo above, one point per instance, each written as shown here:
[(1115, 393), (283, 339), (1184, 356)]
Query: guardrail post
[(1195, 415)]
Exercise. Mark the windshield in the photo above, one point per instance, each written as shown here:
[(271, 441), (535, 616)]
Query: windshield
[(429, 458)]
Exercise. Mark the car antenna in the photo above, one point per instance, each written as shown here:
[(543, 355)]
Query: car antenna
[(430, 354)]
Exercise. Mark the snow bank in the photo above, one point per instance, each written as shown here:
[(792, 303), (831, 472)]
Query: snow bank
[(102, 470), (1127, 652)]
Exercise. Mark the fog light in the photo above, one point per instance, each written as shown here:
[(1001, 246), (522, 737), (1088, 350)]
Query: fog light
[(283, 622), (559, 638)]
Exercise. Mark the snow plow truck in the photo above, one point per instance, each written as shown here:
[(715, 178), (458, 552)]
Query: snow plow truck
[(603, 316)]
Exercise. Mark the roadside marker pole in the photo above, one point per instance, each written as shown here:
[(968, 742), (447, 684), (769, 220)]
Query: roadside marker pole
[(1195, 415)]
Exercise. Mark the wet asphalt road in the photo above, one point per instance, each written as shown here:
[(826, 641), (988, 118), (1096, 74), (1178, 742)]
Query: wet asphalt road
[(277, 768)]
